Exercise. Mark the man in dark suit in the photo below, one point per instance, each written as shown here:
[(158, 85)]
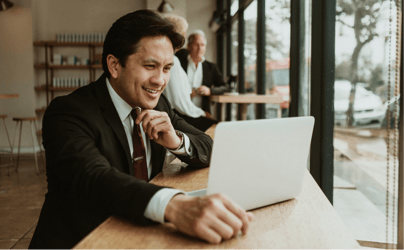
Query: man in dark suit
[(88, 135), (204, 76)]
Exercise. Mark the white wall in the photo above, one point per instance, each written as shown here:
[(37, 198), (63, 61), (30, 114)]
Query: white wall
[(16, 67), (58, 16)]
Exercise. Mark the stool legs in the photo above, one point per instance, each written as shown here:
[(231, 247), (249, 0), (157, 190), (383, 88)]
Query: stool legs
[(33, 143), (19, 144), (11, 146)]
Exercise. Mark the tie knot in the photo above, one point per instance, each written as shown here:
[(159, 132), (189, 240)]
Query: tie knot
[(134, 112)]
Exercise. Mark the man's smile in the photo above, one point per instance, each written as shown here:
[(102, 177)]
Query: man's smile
[(152, 91)]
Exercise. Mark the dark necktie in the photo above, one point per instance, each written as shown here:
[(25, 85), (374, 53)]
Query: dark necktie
[(139, 152)]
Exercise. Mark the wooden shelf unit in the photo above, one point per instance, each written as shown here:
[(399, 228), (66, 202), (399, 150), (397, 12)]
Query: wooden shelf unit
[(42, 66), (43, 88), (49, 67)]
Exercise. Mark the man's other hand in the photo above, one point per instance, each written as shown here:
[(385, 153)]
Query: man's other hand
[(208, 115), (194, 93), (212, 218), (203, 90)]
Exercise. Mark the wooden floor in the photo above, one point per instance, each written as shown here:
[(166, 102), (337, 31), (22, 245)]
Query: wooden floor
[(22, 194)]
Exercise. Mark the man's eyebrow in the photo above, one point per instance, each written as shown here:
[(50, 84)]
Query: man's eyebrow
[(152, 60)]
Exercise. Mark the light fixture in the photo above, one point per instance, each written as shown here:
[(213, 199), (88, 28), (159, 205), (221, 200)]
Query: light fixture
[(5, 4), (165, 7)]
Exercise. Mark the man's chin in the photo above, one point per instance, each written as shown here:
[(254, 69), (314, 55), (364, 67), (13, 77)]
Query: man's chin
[(150, 105)]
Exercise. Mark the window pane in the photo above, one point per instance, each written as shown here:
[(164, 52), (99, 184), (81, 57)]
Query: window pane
[(250, 53), (250, 46), (234, 63), (234, 7), (304, 91), (365, 152), (234, 48), (277, 51)]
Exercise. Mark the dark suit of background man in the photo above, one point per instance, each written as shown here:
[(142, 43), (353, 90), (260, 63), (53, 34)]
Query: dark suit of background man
[(204, 76), (87, 137)]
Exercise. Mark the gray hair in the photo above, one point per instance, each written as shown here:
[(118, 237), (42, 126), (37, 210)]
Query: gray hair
[(180, 24), (192, 36)]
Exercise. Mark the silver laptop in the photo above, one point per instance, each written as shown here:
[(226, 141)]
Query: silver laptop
[(259, 162)]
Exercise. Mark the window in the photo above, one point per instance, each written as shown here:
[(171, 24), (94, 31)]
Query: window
[(365, 138)]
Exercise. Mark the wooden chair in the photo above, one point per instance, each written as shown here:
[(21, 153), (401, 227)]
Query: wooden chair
[(32, 121), (3, 117)]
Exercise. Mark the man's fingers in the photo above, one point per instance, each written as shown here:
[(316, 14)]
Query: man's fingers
[(140, 116), (250, 216), (224, 229), (155, 126), (206, 233), (232, 220), (150, 122), (239, 212)]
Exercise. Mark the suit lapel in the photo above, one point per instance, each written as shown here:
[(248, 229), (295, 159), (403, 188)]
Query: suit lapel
[(184, 64), (111, 116), (205, 73)]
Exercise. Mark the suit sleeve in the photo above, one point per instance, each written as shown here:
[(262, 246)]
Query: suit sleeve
[(78, 168), (219, 86)]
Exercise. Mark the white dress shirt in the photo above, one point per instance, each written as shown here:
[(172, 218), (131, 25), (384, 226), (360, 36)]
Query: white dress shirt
[(178, 92), (157, 205), (195, 75)]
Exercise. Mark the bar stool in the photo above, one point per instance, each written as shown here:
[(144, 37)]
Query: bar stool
[(3, 117), (32, 121)]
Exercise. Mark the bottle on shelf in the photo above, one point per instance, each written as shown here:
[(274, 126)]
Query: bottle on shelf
[(69, 82)]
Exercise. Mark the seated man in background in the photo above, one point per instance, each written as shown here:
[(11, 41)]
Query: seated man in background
[(204, 76), (106, 140), (178, 90)]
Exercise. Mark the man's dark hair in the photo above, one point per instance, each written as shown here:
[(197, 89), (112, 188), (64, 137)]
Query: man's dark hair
[(123, 37)]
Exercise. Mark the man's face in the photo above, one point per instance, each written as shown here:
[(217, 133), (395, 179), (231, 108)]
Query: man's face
[(146, 73), (197, 48)]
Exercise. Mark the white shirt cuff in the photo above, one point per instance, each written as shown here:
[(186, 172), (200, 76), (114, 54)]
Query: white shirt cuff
[(157, 205), (184, 150)]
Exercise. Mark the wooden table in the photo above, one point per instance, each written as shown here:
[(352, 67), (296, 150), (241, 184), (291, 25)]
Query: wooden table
[(309, 221), (243, 100)]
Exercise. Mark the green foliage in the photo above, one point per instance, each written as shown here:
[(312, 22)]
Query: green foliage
[(376, 78), (342, 70)]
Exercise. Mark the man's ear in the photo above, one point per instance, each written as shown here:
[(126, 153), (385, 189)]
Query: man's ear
[(113, 65)]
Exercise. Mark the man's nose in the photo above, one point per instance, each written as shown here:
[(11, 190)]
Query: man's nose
[(158, 78)]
